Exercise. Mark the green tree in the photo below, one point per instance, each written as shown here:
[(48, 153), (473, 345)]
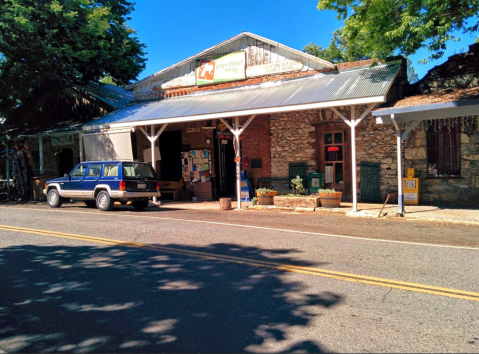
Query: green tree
[(47, 43), (380, 28), (411, 73), (337, 51)]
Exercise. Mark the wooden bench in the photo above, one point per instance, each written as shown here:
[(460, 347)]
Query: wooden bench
[(171, 187)]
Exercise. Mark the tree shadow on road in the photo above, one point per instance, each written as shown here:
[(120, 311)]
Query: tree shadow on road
[(117, 299)]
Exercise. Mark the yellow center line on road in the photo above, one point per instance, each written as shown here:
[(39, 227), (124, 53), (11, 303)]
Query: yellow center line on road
[(429, 289)]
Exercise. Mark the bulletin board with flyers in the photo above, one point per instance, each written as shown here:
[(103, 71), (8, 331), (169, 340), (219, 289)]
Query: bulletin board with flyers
[(196, 165)]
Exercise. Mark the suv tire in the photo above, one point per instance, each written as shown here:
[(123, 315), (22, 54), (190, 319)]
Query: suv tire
[(104, 201), (140, 204), (53, 198)]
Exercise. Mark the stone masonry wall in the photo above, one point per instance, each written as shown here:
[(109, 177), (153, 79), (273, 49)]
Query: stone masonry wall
[(450, 191), (460, 71), (293, 140)]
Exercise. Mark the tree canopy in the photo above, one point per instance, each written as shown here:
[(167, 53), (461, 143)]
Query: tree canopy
[(47, 43), (381, 28), (337, 51)]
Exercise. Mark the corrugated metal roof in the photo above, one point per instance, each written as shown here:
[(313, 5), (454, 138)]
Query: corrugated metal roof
[(112, 95), (329, 89)]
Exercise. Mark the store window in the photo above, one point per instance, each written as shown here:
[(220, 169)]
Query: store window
[(443, 148)]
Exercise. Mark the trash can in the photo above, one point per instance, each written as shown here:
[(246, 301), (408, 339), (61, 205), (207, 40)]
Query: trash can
[(316, 181)]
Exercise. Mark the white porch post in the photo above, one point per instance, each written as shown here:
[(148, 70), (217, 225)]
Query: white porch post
[(353, 160), (399, 157), (152, 145), (238, 163), (152, 137), (40, 152), (236, 131), (352, 124)]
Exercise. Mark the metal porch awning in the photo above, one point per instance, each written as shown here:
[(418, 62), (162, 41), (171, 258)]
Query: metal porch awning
[(455, 103), (333, 89)]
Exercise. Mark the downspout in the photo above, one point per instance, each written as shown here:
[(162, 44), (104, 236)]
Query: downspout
[(8, 171), (40, 152), (80, 140)]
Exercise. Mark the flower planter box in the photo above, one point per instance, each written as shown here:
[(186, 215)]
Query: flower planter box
[(330, 200), (266, 198), (302, 202)]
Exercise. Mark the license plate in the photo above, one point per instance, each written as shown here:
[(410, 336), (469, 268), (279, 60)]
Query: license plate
[(141, 185)]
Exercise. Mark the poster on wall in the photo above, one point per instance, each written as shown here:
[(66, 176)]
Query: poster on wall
[(196, 165), (221, 68), (328, 174)]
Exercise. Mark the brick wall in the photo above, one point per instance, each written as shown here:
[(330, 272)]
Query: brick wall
[(256, 144)]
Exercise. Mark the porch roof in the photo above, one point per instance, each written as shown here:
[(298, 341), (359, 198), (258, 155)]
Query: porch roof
[(339, 88), (446, 103)]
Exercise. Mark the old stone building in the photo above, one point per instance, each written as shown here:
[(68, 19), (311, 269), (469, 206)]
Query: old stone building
[(251, 104), (443, 148)]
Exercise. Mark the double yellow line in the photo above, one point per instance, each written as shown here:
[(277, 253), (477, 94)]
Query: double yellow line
[(428, 289)]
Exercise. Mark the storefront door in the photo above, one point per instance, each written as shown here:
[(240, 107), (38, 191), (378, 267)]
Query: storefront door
[(334, 157), (225, 165)]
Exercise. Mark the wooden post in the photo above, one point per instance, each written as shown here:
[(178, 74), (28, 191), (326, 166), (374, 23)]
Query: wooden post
[(225, 204)]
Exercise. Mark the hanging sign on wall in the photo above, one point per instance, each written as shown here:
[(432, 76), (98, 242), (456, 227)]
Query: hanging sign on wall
[(221, 68), (274, 68)]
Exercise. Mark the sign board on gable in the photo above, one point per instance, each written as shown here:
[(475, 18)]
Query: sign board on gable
[(274, 68), (220, 68), (176, 82)]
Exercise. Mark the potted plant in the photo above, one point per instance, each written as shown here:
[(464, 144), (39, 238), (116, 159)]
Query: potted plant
[(329, 198), (265, 196), (254, 201)]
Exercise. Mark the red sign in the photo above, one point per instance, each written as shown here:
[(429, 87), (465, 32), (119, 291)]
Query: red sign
[(333, 148)]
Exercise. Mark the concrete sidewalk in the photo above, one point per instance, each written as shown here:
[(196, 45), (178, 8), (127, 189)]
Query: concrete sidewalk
[(367, 210)]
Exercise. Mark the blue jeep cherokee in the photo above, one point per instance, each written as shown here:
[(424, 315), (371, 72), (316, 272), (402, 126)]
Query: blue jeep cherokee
[(101, 183)]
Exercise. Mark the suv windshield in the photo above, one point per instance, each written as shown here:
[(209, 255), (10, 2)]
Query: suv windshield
[(138, 170)]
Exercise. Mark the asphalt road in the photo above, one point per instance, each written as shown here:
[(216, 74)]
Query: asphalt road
[(78, 280)]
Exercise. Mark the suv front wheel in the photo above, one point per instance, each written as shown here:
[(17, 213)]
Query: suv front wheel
[(104, 201)]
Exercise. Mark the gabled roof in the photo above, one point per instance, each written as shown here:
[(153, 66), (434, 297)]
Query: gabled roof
[(208, 51), (332, 89)]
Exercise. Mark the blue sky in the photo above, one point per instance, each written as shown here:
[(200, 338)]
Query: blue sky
[(176, 30)]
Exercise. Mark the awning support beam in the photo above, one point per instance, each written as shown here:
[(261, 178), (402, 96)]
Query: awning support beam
[(152, 137), (352, 124), (400, 136), (236, 131)]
